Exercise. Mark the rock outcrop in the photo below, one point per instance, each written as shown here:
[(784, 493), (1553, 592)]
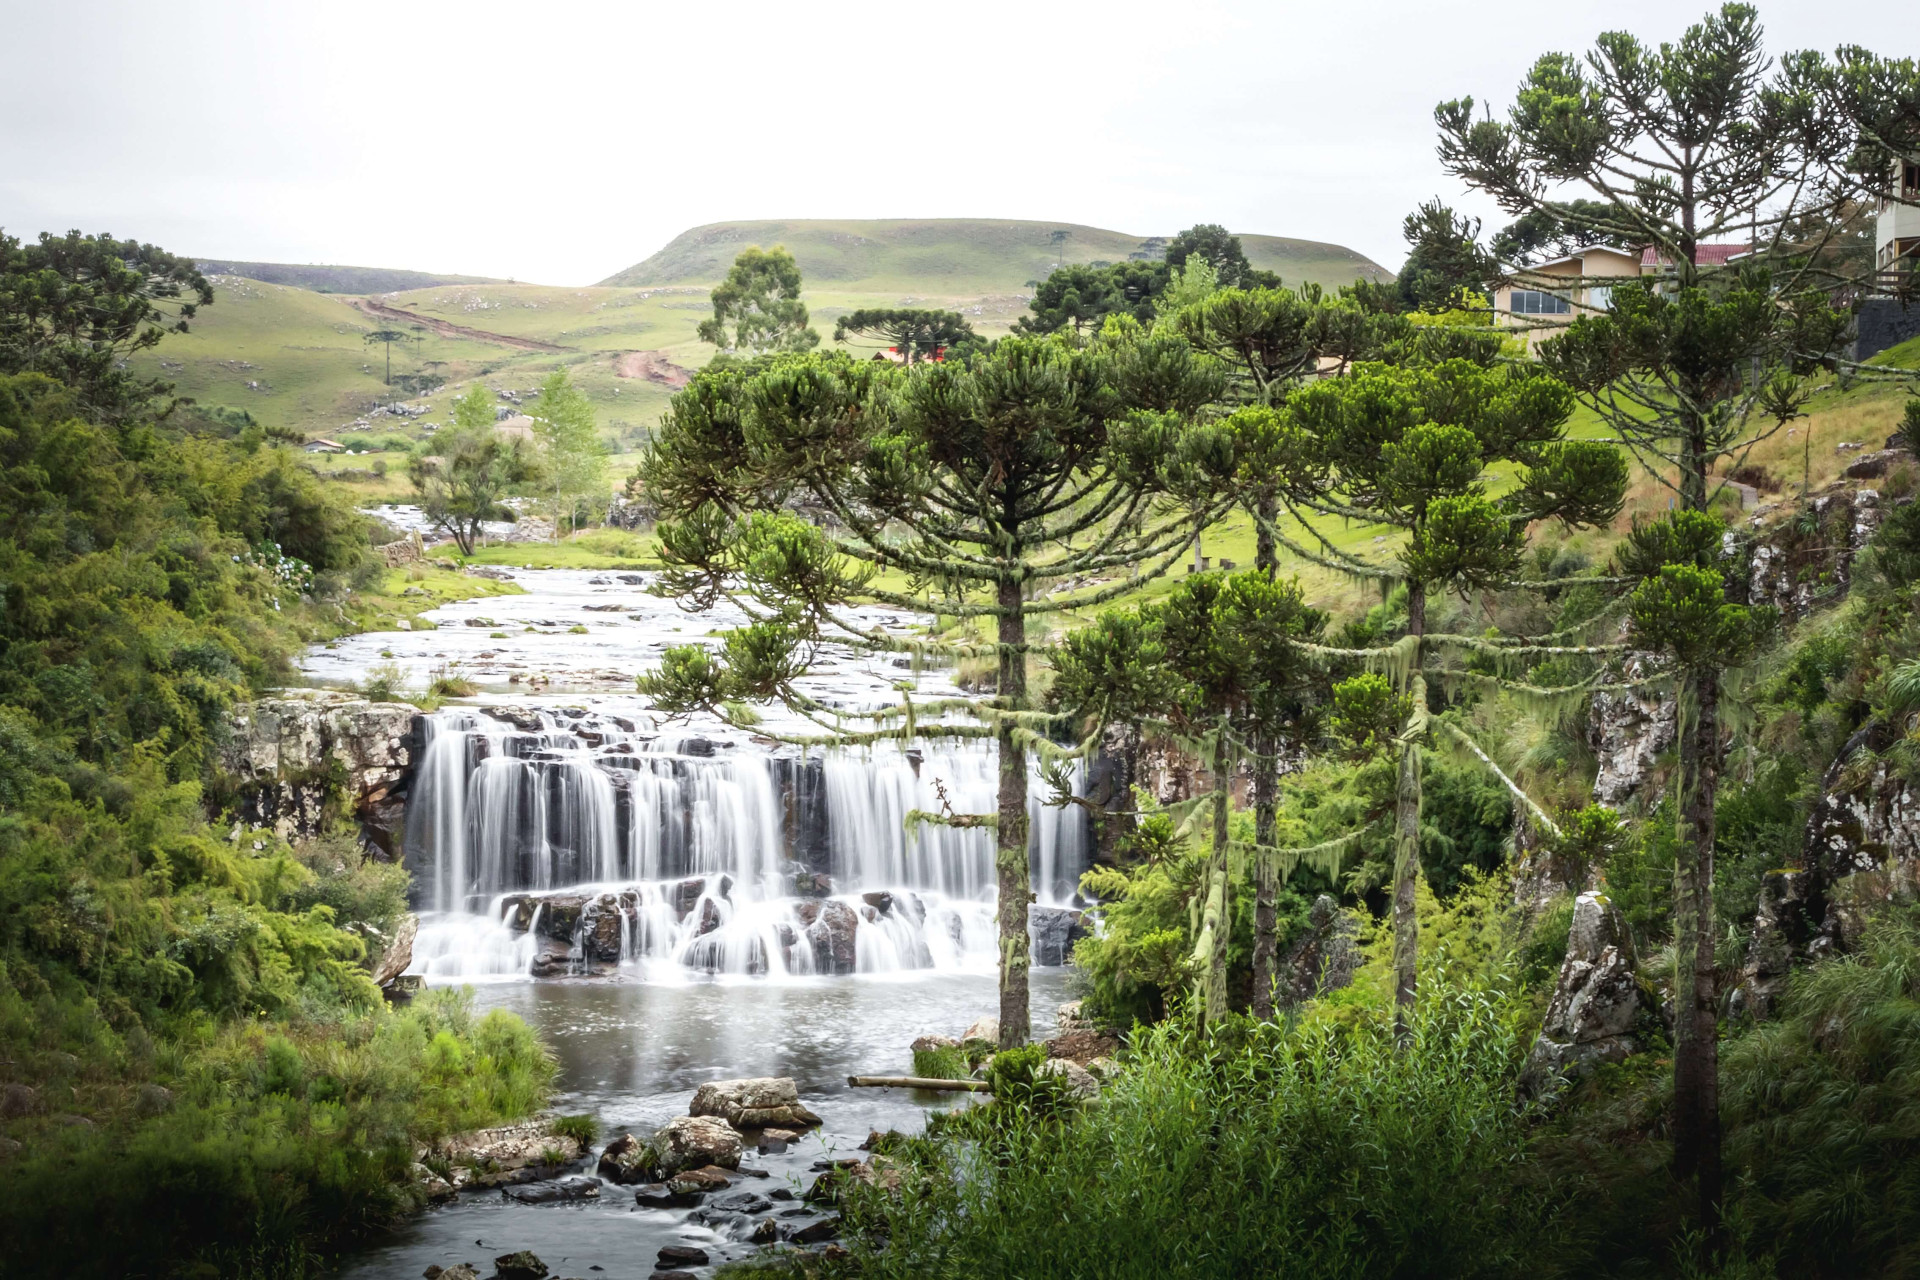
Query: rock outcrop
[(1806, 562), (1596, 1001), (754, 1104), (286, 758), (1322, 959), (1628, 730), (494, 1157), (830, 926)]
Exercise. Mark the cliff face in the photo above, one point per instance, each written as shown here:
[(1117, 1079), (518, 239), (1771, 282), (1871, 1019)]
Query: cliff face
[(287, 759)]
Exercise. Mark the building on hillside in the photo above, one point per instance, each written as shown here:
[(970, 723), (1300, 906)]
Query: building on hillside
[(1896, 226), (323, 446), (893, 355), (518, 427), (1890, 314), (1538, 301)]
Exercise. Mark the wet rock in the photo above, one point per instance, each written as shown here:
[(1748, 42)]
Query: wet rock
[(817, 1232), (985, 1030), (673, 1275), (880, 900), (1322, 959), (459, 1271), (431, 1184), (1053, 932), (1596, 1000), (765, 1231), (552, 959), (519, 1266), (558, 1191), (813, 884), (560, 915), (626, 1160), (743, 1202), (927, 1044), (681, 1255), (691, 1142), (710, 1178), (659, 1195), (686, 896), (772, 1146), (605, 924), (754, 1104), (830, 928), (709, 915), (1079, 1081)]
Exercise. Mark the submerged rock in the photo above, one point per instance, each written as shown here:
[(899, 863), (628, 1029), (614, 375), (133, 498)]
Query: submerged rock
[(519, 1266), (754, 1104), (558, 1191)]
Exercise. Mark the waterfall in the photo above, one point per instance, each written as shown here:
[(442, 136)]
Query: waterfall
[(571, 841)]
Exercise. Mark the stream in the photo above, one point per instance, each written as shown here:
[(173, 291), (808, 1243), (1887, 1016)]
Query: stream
[(672, 902)]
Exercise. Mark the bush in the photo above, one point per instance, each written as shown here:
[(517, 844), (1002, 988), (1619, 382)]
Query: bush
[(941, 1064), (1314, 1151)]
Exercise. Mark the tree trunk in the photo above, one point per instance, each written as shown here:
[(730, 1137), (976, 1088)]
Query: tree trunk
[(1217, 924), (1696, 1049), (1010, 858), (1266, 789), (1406, 834)]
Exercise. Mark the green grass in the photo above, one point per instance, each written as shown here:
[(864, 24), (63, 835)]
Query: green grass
[(591, 549), (941, 1064), (297, 359)]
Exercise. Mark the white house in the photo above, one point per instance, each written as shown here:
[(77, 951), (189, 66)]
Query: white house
[(1896, 228), (323, 446)]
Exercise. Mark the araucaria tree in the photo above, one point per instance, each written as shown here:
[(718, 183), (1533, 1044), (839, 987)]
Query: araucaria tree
[(463, 483), (1698, 142), (1043, 460), (917, 334), (757, 308), (1409, 446), (1217, 666)]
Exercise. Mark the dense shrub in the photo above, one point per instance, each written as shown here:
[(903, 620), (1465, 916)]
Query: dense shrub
[(1265, 1149)]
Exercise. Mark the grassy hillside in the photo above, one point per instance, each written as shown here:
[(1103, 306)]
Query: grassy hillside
[(334, 279), (952, 257)]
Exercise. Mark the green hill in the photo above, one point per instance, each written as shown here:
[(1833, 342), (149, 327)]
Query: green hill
[(335, 279), (953, 257)]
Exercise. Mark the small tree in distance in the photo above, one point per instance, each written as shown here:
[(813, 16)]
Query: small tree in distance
[(757, 308), (574, 458), (463, 483)]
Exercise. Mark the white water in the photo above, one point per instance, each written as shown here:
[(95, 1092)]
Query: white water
[(599, 798)]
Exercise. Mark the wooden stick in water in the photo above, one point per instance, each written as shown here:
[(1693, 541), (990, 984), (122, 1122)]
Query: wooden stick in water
[(917, 1082)]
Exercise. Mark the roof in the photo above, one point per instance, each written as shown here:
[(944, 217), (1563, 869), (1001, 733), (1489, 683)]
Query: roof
[(324, 444), (1704, 255), (519, 426)]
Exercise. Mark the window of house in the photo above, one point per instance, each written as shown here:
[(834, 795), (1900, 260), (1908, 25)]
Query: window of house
[(1600, 299), (1538, 302), (1909, 180)]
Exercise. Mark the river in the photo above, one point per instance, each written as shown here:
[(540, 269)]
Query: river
[(671, 883)]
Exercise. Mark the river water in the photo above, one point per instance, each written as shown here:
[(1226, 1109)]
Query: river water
[(698, 902)]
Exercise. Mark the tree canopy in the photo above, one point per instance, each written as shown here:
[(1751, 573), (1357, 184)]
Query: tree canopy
[(76, 307), (757, 308), (917, 334)]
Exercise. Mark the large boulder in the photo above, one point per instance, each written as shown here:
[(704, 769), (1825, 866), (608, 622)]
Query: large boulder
[(1595, 1002), (1629, 729), (1078, 1080), (830, 926), (488, 1157), (984, 1031), (693, 1142), (754, 1104)]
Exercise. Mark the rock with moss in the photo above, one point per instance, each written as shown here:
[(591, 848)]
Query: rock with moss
[(754, 1103), (693, 1142), (1596, 1000)]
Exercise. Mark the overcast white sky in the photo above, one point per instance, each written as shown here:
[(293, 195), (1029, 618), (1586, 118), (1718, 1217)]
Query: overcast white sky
[(561, 141)]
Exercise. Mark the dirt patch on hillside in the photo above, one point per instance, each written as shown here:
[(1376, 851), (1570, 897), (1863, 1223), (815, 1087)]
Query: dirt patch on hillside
[(447, 329), (654, 367)]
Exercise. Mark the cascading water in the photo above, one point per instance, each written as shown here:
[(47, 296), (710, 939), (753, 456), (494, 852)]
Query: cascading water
[(570, 841)]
